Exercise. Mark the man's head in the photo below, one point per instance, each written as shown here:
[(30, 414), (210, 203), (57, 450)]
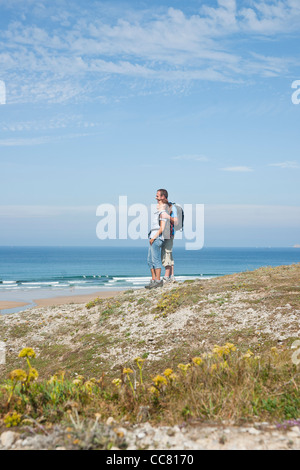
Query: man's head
[(162, 195)]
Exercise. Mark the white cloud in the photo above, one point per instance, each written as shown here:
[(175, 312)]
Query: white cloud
[(238, 169), (269, 18)]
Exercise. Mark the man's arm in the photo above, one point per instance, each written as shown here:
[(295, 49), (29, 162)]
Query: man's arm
[(173, 220)]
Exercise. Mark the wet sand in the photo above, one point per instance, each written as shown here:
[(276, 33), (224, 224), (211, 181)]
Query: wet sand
[(5, 305), (53, 301)]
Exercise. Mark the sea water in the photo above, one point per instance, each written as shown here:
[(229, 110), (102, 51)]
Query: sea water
[(28, 273)]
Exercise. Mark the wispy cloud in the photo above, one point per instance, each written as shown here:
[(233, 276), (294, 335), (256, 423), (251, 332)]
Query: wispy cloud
[(288, 164), (58, 122), (51, 57), (194, 158), (22, 142), (238, 169), (25, 212)]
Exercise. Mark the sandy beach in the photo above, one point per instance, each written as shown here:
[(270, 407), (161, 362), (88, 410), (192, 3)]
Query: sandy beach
[(6, 304), (54, 301), (74, 299)]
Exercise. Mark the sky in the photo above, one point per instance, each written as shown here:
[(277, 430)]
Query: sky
[(102, 99)]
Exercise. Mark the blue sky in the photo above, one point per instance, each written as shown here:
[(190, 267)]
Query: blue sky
[(108, 98)]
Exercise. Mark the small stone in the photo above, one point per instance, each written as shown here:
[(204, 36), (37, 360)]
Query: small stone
[(110, 421), (296, 429), (141, 435), (253, 431), (8, 438)]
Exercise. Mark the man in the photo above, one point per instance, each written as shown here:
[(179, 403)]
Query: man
[(169, 233), (156, 238)]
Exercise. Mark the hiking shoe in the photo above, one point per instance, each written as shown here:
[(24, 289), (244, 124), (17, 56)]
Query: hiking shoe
[(166, 279), (172, 279), (157, 284), (150, 285)]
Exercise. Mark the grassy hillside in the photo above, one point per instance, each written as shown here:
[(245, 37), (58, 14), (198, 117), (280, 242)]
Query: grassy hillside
[(230, 336)]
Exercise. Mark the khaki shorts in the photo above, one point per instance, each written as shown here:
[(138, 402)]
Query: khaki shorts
[(166, 253)]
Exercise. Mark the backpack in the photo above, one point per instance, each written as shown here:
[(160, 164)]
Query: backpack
[(180, 216)]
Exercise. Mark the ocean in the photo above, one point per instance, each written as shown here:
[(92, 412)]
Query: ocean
[(28, 273)]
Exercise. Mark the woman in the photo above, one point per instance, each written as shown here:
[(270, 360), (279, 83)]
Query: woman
[(156, 238)]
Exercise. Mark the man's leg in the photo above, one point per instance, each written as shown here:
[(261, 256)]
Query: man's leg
[(156, 253), (167, 257), (157, 274), (151, 266), (168, 271)]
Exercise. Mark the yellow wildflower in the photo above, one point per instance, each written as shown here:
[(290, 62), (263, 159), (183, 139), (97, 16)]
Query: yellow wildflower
[(154, 390), (12, 419), (168, 372), (32, 375), (160, 380), (213, 368), (127, 371), (89, 386), (172, 377), (27, 352), (224, 350), (184, 367), (230, 347), (197, 360), (274, 351), (18, 375), (248, 354), (117, 382)]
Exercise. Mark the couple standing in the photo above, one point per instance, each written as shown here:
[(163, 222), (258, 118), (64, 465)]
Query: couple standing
[(161, 238)]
